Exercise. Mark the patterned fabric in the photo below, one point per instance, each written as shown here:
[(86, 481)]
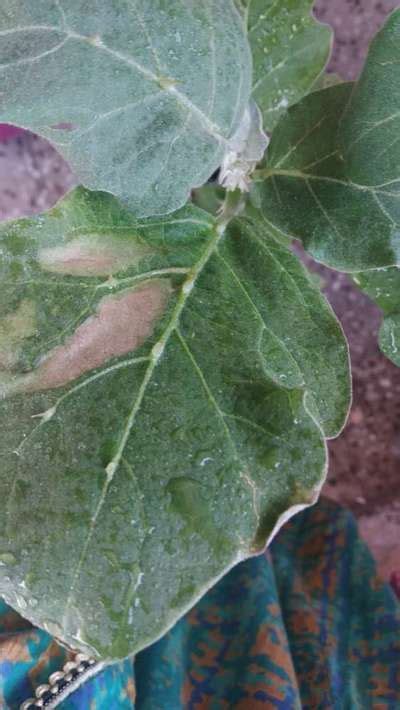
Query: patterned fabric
[(307, 626)]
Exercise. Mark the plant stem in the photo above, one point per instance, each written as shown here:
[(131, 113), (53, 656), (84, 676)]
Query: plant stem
[(231, 207)]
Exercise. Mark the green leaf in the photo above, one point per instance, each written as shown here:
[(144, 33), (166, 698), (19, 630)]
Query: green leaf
[(333, 168), (306, 346), (141, 98), (389, 338), (158, 419), (307, 193), (383, 287), (326, 80), (290, 50), (370, 130)]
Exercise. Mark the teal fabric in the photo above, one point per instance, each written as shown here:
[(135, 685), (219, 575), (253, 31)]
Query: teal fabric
[(309, 625)]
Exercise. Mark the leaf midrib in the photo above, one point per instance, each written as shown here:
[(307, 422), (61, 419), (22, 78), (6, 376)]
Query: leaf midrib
[(156, 354)]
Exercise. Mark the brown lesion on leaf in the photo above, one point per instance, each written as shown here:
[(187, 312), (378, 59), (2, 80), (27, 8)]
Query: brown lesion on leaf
[(121, 324), (94, 255), (14, 328)]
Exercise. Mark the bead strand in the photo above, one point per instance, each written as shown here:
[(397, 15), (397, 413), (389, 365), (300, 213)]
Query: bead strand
[(47, 693)]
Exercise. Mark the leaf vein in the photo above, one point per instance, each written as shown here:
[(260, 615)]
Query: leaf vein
[(323, 210), (260, 317), (38, 57), (244, 475)]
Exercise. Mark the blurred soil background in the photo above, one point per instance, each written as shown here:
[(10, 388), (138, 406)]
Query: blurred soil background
[(364, 470)]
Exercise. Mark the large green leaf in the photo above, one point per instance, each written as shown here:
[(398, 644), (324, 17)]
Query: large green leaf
[(142, 97), (332, 174), (383, 287), (290, 50), (159, 421)]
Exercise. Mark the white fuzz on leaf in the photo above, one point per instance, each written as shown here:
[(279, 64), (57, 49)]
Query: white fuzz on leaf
[(247, 147)]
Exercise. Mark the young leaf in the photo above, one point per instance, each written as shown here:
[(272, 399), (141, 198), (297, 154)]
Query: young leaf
[(248, 147), (141, 98), (158, 421), (342, 206), (290, 50), (383, 287)]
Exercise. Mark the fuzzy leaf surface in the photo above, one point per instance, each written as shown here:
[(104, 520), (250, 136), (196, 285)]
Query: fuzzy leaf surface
[(158, 419), (370, 129), (306, 345), (383, 287), (329, 186), (140, 97), (290, 49)]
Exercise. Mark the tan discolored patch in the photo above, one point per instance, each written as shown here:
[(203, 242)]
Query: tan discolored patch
[(121, 324), (94, 255), (14, 328)]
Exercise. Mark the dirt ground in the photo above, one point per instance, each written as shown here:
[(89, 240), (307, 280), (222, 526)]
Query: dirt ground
[(365, 460)]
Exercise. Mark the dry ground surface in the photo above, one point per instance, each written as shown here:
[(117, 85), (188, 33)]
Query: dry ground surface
[(365, 460)]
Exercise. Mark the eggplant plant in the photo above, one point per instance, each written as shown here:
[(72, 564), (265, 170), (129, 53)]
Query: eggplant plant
[(169, 371)]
